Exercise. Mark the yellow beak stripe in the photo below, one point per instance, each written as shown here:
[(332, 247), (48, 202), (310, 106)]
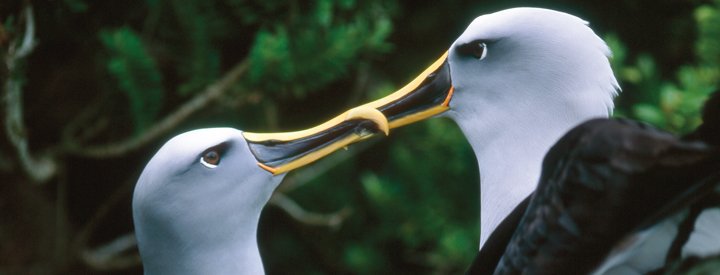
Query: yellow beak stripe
[(409, 88)]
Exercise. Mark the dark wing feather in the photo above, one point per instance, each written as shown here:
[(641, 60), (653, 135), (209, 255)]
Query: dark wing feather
[(709, 130), (602, 181)]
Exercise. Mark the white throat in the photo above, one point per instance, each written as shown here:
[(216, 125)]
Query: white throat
[(186, 236), (169, 253), (510, 144)]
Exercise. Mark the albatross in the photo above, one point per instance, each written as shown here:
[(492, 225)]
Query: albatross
[(515, 82), (197, 203)]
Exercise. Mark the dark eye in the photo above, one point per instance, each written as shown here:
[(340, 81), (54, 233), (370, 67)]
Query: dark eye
[(210, 159), (477, 49)]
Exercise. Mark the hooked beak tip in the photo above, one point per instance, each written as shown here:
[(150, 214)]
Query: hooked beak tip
[(371, 114)]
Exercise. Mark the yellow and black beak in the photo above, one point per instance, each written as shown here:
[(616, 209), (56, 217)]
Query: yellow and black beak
[(427, 95), (282, 152)]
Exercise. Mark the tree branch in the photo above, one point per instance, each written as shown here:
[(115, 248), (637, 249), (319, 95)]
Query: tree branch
[(332, 220), (39, 168), (28, 43), (106, 257), (82, 127), (86, 232), (212, 92), (308, 173)]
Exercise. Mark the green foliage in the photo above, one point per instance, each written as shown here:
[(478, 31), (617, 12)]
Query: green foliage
[(8, 26), (314, 45), (294, 48), (136, 73), (708, 43), (198, 59), (364, 258), (76, 5), (430, 206), (673, 105)]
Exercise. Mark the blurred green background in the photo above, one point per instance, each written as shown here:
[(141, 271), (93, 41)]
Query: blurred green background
[(107, 82)]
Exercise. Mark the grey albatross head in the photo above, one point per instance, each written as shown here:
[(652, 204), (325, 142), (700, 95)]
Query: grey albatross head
[(197, 203)]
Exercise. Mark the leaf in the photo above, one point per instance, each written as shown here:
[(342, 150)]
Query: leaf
[(77, 6), (618, 49), (199, 59), (136, 74), (314, 47), (650, 114)]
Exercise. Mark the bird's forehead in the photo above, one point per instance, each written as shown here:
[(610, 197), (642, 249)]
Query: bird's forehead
[(516, 21), (196, 141)]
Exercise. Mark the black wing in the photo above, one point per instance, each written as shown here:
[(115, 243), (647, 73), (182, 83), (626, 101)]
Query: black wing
[(602, 181), (709, 131)]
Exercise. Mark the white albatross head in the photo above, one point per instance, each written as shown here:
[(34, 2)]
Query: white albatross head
[(522, 57), (515, 81), (197, 203)]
